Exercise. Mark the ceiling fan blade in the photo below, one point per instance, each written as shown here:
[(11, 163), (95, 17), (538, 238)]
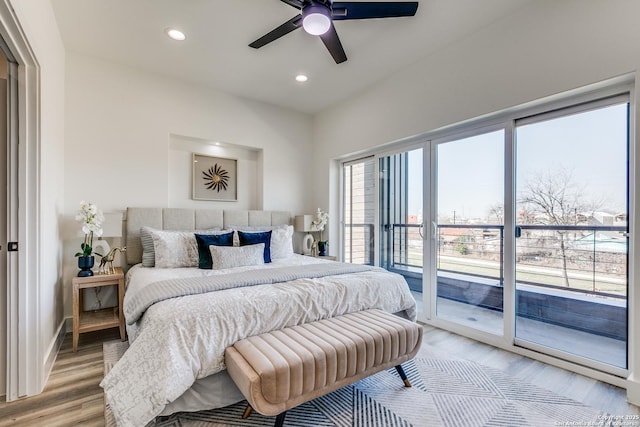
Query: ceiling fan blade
[(332, 42), (369, 9), (284, 29), (295, 3)]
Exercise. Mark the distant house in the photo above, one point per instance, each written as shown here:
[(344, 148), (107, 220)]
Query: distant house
[(601, 241)]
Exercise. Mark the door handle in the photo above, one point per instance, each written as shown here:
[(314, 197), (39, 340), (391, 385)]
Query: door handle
[(420, 228), (435, 230)]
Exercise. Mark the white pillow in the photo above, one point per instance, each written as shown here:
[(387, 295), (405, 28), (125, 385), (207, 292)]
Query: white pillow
[(174, 248), (282, 242), (281, 238), (148, 245), (236, 256)]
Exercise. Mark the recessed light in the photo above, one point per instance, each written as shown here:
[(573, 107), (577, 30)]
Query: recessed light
[(301, 78), (175, 34)]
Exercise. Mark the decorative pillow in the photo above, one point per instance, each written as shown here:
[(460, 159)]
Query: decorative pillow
[(148, 249), (206, 240), (281, 238), (175, 248), (254, 229), (255, 238), (236, 256), (148, 252), (282, 242)]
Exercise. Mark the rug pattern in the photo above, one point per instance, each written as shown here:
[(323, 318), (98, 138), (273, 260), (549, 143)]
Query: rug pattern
[(446, 392)]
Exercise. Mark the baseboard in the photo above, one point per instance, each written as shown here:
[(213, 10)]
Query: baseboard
[(53, 350), (68, 325)]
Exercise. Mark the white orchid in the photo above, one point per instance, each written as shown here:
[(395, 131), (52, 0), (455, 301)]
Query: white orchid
[(91, 218), (320, 221)]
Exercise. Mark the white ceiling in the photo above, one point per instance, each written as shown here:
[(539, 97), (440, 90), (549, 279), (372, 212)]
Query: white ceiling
[(216, 54)]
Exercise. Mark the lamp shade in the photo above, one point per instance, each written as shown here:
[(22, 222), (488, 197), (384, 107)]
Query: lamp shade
[(111, 227), (112, 224), (303, 223)]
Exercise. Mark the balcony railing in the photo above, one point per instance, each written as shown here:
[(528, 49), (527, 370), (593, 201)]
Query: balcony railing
[(584, 258), (573, 277)]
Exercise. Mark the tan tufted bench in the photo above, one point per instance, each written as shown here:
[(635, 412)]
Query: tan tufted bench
[(279, 370)]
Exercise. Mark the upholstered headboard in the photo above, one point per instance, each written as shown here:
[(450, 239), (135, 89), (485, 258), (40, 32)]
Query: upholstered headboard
[(190, 219)]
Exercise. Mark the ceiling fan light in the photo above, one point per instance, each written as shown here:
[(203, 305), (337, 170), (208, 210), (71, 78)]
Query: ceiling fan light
[(316, 19)]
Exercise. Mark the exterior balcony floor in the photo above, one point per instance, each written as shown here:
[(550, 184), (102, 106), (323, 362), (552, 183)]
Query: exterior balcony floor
[(592, 346)]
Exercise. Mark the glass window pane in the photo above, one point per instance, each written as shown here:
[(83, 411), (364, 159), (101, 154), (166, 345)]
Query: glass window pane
[(571, 253), (401, 232), (470, 193), (359, 213)]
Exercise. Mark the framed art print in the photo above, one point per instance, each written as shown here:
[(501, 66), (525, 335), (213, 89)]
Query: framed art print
[(215, 178)]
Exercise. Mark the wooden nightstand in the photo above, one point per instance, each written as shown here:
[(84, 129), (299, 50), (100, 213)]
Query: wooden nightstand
[(87, 321)]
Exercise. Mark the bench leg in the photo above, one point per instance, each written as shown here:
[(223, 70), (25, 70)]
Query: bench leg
[(280, 419), (247, 412), (403, 376)]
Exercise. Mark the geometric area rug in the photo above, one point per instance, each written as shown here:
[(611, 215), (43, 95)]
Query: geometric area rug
[(445, 392)]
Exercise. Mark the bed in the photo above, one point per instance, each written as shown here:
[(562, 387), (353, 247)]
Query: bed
[(181, 315)]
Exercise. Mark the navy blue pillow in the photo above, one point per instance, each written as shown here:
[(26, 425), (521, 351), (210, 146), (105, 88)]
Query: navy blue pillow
[(206, 240), (254, 239)]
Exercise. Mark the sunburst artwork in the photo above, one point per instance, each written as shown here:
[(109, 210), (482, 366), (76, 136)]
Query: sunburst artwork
[(214, 178)]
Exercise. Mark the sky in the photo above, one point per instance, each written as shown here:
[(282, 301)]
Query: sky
[(591, 145)]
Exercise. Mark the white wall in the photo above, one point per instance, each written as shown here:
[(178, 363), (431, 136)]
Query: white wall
[(38, 23), (119, 123), (125, 142)]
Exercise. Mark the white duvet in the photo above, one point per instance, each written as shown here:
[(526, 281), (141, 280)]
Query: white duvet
[(180, 340)]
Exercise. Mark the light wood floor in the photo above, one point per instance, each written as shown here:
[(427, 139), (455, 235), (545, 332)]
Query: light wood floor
[(73, 395)]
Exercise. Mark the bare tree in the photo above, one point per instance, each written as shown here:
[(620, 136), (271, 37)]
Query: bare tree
[(497, 210), (553, 198)]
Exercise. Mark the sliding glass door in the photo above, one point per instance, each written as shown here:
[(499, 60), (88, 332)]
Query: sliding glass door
[(518, 229), (401, 217), (572, 232), (469, 230)]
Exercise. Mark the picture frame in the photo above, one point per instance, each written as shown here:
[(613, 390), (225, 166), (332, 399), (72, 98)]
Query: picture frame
[(214, 178)]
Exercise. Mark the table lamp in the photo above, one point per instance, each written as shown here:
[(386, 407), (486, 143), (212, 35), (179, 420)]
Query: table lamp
[(303, 224)]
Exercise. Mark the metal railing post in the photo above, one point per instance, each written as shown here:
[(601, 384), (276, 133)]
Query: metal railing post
[(593, 280), (502, 256)]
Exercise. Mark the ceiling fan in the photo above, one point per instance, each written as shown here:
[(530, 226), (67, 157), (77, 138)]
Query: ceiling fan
[(317, 18)]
